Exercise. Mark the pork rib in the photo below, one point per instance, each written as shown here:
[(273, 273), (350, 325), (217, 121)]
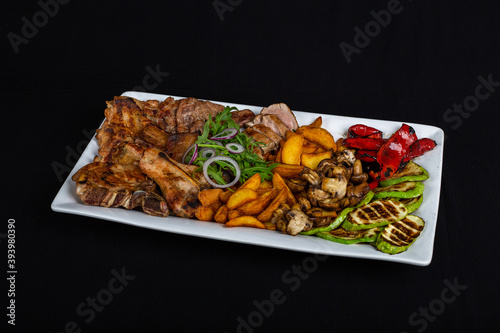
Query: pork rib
[(115, 185)]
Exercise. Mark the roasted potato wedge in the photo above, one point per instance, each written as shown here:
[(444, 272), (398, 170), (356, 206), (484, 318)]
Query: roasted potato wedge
[(267, 213), (245, 221), (266, 184), (256, 206), (224, 196), (319, 136), (211, 198), (241, 197), (232, 214), (279, 183), (308, 147), (318, 122), (251, 183), (288, 170), (204, 213), (269, 225), (312, 160), (221, 215), (292, 150), (278, 158)]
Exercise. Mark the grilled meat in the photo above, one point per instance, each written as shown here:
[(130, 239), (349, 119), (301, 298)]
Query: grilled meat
[(115, 185), (178, 188), (178, 143), (123, 153), (192, 114), (126, 122), (283, 112), (242, 117), (270, 145), (261, 128)]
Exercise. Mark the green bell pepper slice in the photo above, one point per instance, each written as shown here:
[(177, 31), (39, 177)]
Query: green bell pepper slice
[(403, 190), (343, 236), (340, 218)]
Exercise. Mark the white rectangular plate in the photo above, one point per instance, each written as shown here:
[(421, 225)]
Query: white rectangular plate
[(420, 253)]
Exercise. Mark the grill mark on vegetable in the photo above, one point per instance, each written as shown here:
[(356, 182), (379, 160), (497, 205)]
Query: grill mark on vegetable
[(370, 214), (389, 206), (402, 233), (382, 210)]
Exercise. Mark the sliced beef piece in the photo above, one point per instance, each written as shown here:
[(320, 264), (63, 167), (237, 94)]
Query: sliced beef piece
[(261, 128), (283, 112), (257, 120), (270, 145), (115, 185), (242, 117), (192, 114), (179, 189), (273, 122)]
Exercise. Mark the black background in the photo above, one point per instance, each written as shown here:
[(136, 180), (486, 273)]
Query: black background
[(53, 89)]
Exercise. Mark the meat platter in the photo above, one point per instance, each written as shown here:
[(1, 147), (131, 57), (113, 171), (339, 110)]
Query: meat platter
[(66, 201)]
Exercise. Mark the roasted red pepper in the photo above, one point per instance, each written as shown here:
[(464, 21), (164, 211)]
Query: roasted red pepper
[(368, 156), (392, 153), (364, 143), (363, 131), (418, 148)]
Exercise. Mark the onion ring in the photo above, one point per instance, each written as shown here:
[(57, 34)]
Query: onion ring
[(206, 151), (225, 159), (237, 150), (195, 154), (226, 134)]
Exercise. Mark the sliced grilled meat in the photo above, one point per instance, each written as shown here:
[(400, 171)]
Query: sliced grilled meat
[(283, 112), (115, 185), (261, 128), (242, 117), (273, 122), (270, 145)]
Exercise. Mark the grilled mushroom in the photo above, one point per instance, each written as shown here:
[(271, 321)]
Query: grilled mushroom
[(336, 184), (358, 176), (296, 185), (297, 222), (279, 217), (311, 176)]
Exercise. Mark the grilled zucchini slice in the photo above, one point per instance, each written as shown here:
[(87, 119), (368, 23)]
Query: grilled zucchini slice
[(375, 214), (397, 237), (343, 236), (412, 204), (411, 172), (401, 190)]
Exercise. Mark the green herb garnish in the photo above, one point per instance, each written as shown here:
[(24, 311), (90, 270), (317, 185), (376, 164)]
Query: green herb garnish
[(249, 162)]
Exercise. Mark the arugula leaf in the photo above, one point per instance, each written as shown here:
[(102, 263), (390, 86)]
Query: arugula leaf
[(249, 162)]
